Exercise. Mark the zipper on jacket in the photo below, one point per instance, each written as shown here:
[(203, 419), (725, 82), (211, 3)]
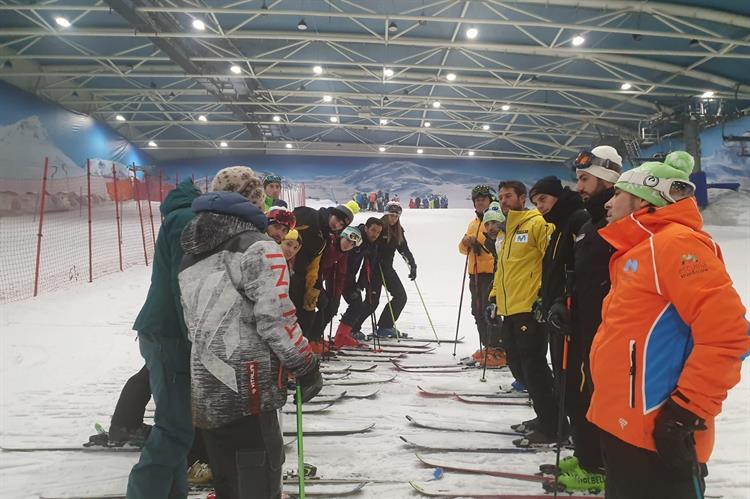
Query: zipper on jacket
[(631, 373)]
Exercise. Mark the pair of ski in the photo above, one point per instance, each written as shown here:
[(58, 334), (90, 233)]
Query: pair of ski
[(438, 368)]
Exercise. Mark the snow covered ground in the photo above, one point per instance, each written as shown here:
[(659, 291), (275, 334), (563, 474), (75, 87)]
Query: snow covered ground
[(65, 356)]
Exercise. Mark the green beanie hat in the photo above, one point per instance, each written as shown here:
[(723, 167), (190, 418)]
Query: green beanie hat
[(652, 180), (493, 213)]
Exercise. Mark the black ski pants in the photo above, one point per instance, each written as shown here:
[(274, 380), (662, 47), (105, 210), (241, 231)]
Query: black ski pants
[(525, 344), (392, 309), (246, 457), (480, 286), (635, 473)]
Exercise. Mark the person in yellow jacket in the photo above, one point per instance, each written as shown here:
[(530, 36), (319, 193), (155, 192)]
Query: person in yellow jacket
[(515, 288), (672, 338), (480, 266)]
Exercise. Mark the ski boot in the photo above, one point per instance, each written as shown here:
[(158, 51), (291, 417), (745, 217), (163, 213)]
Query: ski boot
[(577, 480), (526, 426), (359, 336), (344, 338), (310, 470), (199, 475), (517, 386), (537, 438), (567, 464), (387, 332)]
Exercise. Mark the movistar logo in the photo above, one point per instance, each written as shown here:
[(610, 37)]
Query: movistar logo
[(631, 266)]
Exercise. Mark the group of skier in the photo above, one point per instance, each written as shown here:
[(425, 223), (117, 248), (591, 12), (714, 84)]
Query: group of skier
[(374, 201), (617, 281)]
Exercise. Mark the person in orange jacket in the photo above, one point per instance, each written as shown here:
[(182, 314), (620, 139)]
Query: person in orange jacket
[(481, 269), (672, 338)]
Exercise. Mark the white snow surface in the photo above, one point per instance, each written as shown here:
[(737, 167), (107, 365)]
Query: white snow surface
[(66, 355)]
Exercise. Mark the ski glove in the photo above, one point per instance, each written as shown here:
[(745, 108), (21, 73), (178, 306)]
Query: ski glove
[(311, 299), (559, 318), (536, 309), (311, 383), (673, 437), (490, 313), (355, 296), (412, 272), (476, 247)]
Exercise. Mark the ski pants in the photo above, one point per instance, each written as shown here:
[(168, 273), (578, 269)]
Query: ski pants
[(577, 400), (246, 457), (525, 344), (161, 471), (392, 309), (356, 313), (635, 473), (328, 307), (479, 286)]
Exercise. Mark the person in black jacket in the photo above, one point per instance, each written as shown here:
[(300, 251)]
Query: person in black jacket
[(390, 241), (361, 262), (596, 173), (314, 228)]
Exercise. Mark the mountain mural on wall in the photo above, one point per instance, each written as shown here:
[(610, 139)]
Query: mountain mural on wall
[(25, 144)]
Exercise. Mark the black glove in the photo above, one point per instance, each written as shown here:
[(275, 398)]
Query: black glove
[(559, 318), (490, 313), (355, 296), (476, 247), (673, 437), (311, 383), (536, 309), (412, 272)]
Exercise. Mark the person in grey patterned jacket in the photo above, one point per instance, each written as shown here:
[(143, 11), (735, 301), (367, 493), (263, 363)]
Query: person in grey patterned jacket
[(234, 285)]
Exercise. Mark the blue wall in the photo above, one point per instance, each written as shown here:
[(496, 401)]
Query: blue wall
[(721, 161), (32, 128)]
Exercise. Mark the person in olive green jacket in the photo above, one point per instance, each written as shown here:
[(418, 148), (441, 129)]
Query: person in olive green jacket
[(161, 471)]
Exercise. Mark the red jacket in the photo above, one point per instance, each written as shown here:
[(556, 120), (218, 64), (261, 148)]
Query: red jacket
[(333, 267), (671, 322)]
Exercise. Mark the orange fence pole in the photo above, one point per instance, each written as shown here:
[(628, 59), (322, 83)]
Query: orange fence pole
[(140, 213), (150, 211), (41, 224)]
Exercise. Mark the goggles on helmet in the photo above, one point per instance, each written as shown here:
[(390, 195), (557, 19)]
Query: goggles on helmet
[(393, 208), (483, 191), (270, 179), (586, 159), (353, 235)]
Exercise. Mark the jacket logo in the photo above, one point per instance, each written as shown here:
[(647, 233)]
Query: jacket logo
[(691, 266), (522, 238), (689, 259), (623, 423), (631, 266)]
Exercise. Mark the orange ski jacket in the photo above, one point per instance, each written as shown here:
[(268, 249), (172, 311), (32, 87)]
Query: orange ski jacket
[(671, 322)]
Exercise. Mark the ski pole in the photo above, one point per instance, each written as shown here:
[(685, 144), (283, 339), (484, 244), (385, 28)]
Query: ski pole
[(484, 368), (390, 307), (300, 446), (463, 287), (569, 275), (427, 312)]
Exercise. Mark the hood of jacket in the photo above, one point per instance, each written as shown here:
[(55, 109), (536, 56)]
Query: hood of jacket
[(179, 197), (220, 216), (568, 202)]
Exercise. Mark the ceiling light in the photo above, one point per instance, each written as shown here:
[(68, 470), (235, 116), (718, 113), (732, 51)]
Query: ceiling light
[(626, 86), (578, 40), (387, 72), (276, 117), (288, 145), (471, 153), (318, 70), (450, 76), (235, 69), (392, 27), (120, 117), (327, 98), (223, 144), (485, 127), (151, 143), (472, 33), (383, 121), (302, 25), (427, 124), (505, 107), (199, 25), (708, 94), (420, 150), (61, 21), (381, 149), (334, 119), (202, 117), (436, 104)]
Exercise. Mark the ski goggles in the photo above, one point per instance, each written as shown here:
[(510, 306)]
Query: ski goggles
[(283, 217), (599, 167), (352, 235), (663, 186)]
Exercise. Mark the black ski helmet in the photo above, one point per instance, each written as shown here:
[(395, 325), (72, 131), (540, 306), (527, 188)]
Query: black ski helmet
[(483, 190)]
